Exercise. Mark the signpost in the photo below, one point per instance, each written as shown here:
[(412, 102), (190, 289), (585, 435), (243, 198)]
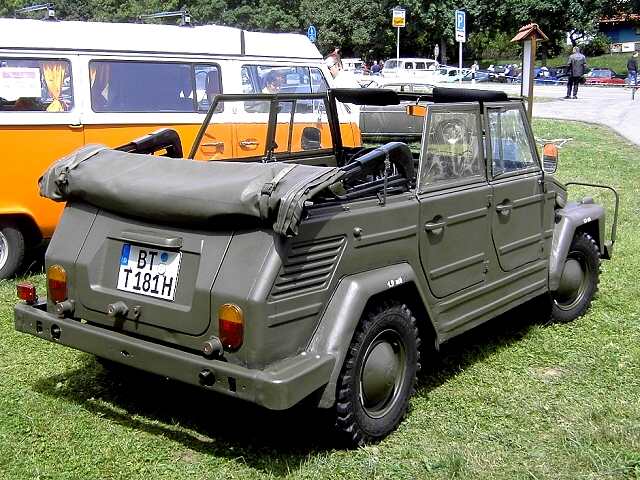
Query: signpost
[(461, 37), (312, 33), (529, 36), (398, 20)]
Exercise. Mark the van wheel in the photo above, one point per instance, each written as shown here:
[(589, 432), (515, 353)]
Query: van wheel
[(378, 375), (11, 249), (579, 281)]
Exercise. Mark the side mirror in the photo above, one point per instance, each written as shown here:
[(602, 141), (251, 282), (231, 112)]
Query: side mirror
[(416, 110), (549, 157)]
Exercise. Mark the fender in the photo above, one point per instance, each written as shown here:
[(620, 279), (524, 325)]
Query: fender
[(575, 216), (341, 317)]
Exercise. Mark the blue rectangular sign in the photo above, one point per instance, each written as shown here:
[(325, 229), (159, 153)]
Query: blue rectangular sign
[(461, 25)]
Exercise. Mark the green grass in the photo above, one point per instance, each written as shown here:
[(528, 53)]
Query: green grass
[(516, 398)]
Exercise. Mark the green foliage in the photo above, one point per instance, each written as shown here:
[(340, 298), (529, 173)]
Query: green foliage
[(493, 45), (599, 45), (363, 27)]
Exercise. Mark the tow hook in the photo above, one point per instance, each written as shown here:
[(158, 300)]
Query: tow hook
[(212, 347), (117, 309), (65, 308)]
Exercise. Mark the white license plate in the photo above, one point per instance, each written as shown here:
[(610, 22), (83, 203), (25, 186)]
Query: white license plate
[(148, 271)]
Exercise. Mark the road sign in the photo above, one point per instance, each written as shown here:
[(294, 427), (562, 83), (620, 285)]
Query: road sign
[(398, 18), (312, 33), (461, 26)]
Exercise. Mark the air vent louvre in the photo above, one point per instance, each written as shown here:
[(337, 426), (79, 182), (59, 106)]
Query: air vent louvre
[(308, 267)]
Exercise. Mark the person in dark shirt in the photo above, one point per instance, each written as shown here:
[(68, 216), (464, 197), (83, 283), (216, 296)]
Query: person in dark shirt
[(576, 67), (632, 69)]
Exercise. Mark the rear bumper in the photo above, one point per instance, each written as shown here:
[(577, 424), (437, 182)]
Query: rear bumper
[(279, 386)]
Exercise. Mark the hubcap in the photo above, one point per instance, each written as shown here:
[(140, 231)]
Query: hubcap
[(382, 374), (4, 250), (573, 282)]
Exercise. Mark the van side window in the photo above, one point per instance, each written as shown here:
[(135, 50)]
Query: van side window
[(408, 66), (35, 85), (275, 79), (420, 66), (318, 82), (208, 85), (132, 86)]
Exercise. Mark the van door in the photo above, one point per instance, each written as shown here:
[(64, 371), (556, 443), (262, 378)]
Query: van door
[(39, 123), (518, 210), (453, 192)]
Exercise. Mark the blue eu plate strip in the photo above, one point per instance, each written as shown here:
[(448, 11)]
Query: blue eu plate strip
[(124, 257)]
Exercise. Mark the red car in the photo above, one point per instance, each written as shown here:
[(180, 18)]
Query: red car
[(603, 76)]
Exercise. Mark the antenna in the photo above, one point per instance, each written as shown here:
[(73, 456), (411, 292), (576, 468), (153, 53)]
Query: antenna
[(50, 13), (185, 16)]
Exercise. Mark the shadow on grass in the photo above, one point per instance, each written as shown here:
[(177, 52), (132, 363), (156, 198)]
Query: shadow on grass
[(481, 342), (272, 442)]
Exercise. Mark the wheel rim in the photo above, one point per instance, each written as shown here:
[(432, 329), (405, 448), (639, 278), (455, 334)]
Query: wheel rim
[(383, 373), (573, 282), (4, 250)]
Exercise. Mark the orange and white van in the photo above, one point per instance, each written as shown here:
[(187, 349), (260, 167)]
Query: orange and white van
[(66, 84)]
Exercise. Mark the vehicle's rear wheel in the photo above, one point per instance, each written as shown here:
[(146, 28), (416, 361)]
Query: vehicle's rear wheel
[(579, 281), (378, 375), (11, 249)]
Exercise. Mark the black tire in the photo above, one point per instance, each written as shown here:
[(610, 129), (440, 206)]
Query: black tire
[(579, 282), (369, 406), (11, 249)]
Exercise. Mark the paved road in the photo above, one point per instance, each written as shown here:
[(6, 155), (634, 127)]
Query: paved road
[(611, 107)]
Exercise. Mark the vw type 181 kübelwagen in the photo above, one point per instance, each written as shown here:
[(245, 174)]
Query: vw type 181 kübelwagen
[(318, 271)]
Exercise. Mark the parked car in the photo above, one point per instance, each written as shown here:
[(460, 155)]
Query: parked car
[(448, 74), (316, 272), (603, 76), (410, 69)]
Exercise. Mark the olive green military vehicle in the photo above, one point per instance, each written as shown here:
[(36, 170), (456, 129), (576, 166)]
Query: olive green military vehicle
[(312, 271)]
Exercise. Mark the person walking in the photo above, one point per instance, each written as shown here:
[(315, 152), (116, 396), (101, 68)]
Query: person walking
[(474, 69), (632, 69), (576, 67)]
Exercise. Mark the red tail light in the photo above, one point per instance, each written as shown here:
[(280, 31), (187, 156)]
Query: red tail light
[(27, 291), (230, 326), (57, 283)]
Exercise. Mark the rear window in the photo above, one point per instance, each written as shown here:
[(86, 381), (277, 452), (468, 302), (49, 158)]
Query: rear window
[(125, 86), (35, 85)]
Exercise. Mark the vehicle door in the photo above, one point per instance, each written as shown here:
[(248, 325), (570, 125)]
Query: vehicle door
[(455, 240), (518, 206)]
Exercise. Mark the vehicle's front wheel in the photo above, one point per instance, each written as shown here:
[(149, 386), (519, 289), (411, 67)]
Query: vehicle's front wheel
[(378, 375), (11, 249), (579, 281)]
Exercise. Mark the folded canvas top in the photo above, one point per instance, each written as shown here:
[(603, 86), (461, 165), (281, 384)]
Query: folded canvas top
[(169, 190)]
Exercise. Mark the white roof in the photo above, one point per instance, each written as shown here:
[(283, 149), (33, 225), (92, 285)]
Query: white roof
[(147, 38)]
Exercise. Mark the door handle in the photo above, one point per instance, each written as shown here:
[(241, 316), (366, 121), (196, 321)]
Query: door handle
[(435, 228), (504, 208), (212, 144), (249, 144), (75, 126)]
